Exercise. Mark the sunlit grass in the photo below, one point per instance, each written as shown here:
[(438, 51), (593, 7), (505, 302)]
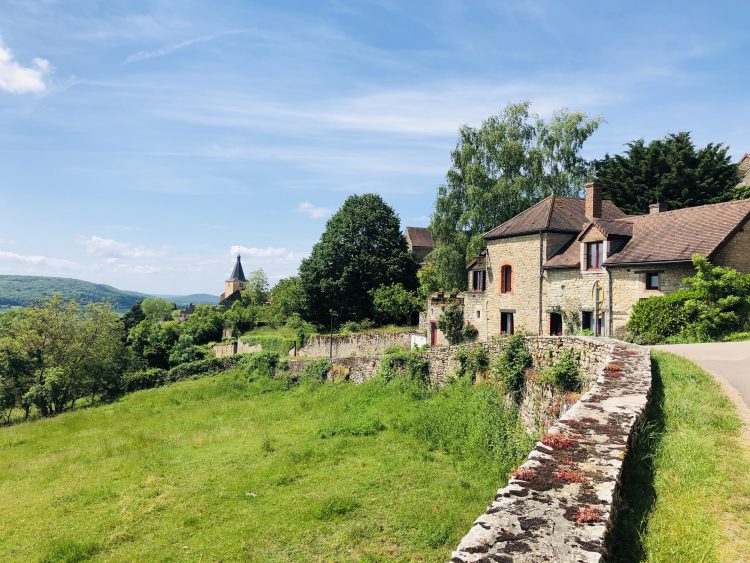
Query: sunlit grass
[(687, 488), (222, 469)]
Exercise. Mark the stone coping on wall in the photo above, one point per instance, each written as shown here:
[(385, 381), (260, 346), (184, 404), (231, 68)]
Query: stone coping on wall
[(560, 505)]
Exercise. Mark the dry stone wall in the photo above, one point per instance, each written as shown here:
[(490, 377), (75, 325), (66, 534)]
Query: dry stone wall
[(236, 347), (561, 504), (355, 344)]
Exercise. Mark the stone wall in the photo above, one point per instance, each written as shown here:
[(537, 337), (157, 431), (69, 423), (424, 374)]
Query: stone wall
[(236, 347), (561, 504), (736, 253), (363, 344), (356, 369)]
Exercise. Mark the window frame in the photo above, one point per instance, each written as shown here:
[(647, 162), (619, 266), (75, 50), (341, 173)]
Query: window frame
[(598, 255), (506, 317), (478, 280), (506, 278), (648, 276)]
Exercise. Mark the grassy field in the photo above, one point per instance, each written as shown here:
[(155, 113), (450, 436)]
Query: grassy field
[(687, 489), (222, 468)]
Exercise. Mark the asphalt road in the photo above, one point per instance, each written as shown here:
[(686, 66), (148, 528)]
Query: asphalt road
[(728, 362)]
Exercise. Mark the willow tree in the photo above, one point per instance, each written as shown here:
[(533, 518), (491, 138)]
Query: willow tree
[(510, 162)]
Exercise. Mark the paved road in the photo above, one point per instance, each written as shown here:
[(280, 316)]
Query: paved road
[(729, 362)]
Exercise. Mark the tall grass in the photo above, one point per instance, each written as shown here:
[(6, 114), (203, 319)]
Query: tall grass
[(240, 466), (687, 482)]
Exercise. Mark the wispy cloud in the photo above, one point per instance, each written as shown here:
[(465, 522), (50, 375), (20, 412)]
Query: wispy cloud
[(169, 49), (312, 211), (112, 249), (33, 260), (18, 79)]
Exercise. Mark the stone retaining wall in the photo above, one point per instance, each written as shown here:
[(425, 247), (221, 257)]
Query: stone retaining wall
[(365, 344), (232, 348), (561, 504), (356, 369)]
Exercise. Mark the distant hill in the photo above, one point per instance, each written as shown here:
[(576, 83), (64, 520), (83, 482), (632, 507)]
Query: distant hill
[(19, 291)]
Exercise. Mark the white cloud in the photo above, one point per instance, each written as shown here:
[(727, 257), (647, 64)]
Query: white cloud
[(313, 212), (168, 49), (18, 79), (12, 257), (112, 249), (270, 252), (276, 262)]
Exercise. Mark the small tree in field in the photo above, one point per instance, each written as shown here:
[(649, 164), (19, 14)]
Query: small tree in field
[(394, 304)]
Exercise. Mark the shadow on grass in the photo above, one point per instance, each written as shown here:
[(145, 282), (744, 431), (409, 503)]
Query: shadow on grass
[(638, 493)]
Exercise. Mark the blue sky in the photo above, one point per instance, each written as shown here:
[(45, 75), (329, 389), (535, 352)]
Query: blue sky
[(143, 143)]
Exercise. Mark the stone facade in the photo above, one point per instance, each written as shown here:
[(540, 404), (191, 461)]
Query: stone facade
[(236, 347), (736, 253), (355, 344)]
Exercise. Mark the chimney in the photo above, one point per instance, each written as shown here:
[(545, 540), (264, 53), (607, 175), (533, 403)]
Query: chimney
[(593, 196), (655, 208)]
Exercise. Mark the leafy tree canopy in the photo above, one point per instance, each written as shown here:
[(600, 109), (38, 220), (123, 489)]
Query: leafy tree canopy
[(361, 249), (394, 304), (257, 288), (671, 171), (157, 308), (287, 299), (510, 162)]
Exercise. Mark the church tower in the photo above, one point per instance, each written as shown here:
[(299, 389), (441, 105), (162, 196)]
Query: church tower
[(236, 283)]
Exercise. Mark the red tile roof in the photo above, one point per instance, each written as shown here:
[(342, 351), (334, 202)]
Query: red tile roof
[(420, 236), (670, 236), (553, 214)]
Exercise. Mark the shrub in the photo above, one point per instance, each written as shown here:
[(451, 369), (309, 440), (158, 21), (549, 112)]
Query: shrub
[(565, 374), (202, 367), (451, 323), (261, 364), (316, 370), (407, 364), (472, 362), (657, 318), (512, 364), (146, 379), (469, 332)]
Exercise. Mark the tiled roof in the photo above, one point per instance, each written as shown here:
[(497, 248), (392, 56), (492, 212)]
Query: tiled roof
[(620, 227), (237, 273), (420, 236), (670, 236), (676, 235), (557, 214)]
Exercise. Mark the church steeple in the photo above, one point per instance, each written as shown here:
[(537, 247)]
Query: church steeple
[(237, 273), (236, 283)]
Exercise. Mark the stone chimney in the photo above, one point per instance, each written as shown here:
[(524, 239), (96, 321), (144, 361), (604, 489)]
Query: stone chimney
[(655, 208), (593, 196)]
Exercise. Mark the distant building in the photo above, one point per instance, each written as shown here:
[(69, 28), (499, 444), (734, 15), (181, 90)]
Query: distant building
[(234, 286), (420, 242)]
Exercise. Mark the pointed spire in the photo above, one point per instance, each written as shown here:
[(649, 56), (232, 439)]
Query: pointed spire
[(237, 273)]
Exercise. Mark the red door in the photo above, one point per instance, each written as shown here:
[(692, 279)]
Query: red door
[(433, 333)]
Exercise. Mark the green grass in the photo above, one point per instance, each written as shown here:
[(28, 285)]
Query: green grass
[(220, 468), (687, 486)]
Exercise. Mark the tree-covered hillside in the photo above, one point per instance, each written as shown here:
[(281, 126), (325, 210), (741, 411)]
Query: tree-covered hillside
[(20, 291)]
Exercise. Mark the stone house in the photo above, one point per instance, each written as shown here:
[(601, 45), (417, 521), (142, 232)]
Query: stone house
[(743, 169), (419, 240), (568, 264)]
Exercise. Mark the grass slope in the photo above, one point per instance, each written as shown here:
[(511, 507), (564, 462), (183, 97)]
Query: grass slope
[(221, 468), (687, 488), (20, 291)]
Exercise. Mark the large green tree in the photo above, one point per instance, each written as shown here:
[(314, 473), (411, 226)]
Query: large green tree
[(361, 249), (671, 171), (510, 162)]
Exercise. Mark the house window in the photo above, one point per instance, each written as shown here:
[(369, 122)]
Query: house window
[(555, 324), (653, 280), (587, 320), (594, 255), (506, 323), (506, 279), (479, 314), (478, 279)]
